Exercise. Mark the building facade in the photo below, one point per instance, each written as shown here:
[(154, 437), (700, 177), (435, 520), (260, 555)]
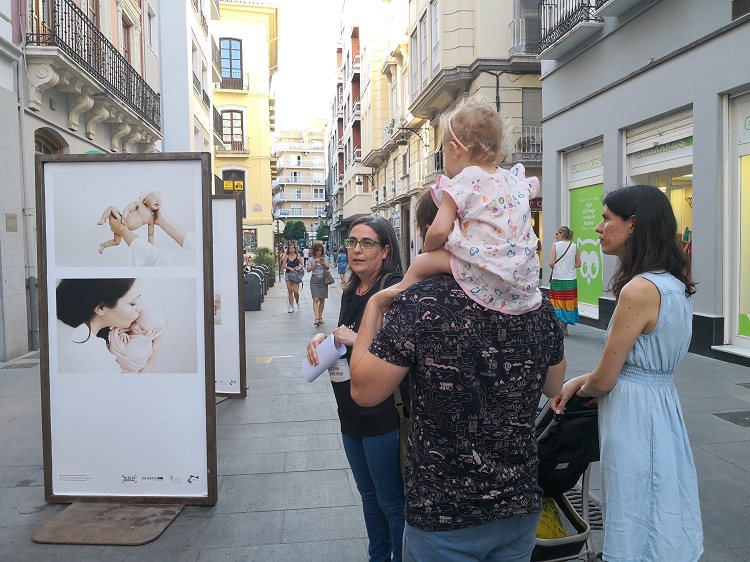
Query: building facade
[(244, 113), (299, 191), (433, 54), (78, 77), (672, 111), (190, 65)]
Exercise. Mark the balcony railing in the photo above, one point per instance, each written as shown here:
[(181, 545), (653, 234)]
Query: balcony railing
[(196, 83), (218, 124), (558, 17), (215, 55), (74, 34), (206, 99), (527, 144), (231, 80), (524, 36), (233, 146)]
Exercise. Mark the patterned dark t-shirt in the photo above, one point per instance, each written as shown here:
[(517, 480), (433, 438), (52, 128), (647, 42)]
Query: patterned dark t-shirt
[(476, 379)]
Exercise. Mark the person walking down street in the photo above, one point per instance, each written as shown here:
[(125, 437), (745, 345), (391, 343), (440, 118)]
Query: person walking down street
[(293, 272), (342, 262), (370, 434), (318, 289), (649, 483), (305, 255), (564, 259)]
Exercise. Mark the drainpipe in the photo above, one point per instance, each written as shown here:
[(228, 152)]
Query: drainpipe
[(28, 201)]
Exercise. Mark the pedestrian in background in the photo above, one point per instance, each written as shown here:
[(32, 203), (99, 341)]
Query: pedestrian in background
[(306, 255), (342, 262), (564, 259), (293, 268), (648, 480), (370, 435), (318, 289)]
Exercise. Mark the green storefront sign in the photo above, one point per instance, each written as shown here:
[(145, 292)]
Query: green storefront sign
[(585, 214)]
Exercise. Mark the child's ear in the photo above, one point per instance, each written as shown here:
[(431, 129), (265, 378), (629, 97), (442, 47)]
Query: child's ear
[(456, 150), (99, 310)]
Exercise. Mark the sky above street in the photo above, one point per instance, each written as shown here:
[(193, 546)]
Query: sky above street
[(308, 35)]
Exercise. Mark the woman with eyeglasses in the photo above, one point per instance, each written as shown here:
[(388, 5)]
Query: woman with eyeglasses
[(370, 435)]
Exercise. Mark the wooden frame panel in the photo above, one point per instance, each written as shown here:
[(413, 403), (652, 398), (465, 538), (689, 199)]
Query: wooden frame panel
[(133, 436)]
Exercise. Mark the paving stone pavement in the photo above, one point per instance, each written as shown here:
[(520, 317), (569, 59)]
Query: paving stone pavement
[(285, 490)]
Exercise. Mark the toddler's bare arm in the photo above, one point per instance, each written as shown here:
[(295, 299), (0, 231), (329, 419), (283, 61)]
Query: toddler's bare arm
[(442, 226)]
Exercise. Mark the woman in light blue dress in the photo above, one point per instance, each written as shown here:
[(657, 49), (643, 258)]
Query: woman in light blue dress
[(649, 484)]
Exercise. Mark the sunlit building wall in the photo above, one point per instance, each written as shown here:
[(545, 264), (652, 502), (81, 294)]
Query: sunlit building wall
[(435, 53), (244, 114)]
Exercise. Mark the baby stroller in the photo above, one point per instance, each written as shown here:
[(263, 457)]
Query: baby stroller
[(568, 444)]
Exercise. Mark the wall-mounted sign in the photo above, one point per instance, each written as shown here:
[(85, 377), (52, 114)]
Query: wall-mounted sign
[(239, 185), (228, 185), (257, 208)]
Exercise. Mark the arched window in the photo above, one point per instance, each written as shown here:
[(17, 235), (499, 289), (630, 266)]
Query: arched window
[(46, 143), (232, 130)]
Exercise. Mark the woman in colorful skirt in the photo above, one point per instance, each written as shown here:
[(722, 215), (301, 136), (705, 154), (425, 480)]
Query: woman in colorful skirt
[(564, 259)]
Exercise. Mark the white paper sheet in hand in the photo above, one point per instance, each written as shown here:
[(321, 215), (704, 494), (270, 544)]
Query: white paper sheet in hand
[(328, 354)]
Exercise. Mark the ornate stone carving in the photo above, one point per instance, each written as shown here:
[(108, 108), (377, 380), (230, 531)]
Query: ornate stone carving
[(119, 131), (79, 103), (130, 140), (42, 77), (99, 113)]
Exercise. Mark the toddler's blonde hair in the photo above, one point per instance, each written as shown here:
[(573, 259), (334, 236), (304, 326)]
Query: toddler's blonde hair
[(478, 127)]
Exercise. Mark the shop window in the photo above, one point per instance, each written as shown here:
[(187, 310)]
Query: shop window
[(743, 328)]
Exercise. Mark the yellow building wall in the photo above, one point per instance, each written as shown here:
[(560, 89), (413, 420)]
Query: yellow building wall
[(256, 27)]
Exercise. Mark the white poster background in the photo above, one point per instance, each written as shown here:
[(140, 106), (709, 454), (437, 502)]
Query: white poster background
[(226, 278), (129, 434)]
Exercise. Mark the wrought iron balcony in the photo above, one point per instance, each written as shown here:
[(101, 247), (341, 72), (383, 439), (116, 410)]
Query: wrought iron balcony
[(236, 145), (565, 23), (62, 24), (231, 80), (527, 144), (218, 124)]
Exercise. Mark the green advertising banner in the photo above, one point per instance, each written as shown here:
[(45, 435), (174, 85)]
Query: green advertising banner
[(585, 214)]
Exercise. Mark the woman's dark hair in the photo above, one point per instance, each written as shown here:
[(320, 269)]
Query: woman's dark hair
[(77, 298), (315, 247), (425, 212), (653, 245), (386, 236), (342, 250)]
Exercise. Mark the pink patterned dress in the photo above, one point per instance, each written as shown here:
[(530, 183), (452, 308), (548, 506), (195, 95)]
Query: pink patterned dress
[(493, 245)]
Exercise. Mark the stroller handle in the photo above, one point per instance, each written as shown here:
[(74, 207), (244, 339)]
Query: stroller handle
[(578, 407)]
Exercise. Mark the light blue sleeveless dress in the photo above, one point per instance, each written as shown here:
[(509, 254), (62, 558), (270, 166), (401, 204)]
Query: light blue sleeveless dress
[(649, 484)]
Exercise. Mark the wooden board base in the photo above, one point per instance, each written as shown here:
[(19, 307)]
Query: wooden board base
[(107, 524)]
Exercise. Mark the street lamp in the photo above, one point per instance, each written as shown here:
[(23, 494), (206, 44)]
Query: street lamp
[(371, 177), (402, 140)]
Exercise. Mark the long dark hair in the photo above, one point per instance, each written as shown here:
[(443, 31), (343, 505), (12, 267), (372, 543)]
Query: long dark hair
[(386, 236), (77, 298), (653, 245)]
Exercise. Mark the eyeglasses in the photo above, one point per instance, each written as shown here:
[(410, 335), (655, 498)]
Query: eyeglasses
[(365, 243)]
